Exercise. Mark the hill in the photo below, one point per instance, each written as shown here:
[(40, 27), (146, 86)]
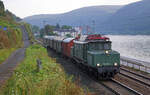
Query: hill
[(82, 16), (130, 19)]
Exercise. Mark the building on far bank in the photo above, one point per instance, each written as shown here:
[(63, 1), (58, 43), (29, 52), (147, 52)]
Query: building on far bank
[(64, 32)]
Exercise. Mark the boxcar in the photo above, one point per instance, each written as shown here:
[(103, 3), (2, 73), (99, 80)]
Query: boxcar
[(66, 46), (54, 43), (79, 50), (48, 41), (51, 42), (58, 43), (45, 40)]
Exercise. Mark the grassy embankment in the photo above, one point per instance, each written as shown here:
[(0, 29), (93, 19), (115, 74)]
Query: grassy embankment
[(50, 80), (11, 39), (29, 30)]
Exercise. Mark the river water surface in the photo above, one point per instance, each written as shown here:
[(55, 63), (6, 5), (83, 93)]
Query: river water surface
[(137, 47)]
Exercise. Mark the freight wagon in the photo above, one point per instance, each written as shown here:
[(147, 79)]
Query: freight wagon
[(92, 53), (66, 46)]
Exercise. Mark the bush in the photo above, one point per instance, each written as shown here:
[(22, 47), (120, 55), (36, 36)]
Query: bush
[(2, 8), (10, 39), (4, 53), (29, 30)]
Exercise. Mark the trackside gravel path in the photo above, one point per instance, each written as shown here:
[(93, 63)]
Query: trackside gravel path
[(7, 67)]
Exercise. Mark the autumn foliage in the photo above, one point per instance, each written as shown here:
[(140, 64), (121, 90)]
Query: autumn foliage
[(4, 41), (10, 37)]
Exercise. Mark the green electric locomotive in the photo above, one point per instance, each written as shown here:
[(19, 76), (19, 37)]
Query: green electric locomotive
[(94, 54)]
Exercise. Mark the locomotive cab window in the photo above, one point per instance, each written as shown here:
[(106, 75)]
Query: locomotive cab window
[(100, 46), (107, 46)]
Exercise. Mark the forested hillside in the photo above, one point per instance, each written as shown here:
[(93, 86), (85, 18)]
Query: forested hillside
[(81, 16), (131, 19)]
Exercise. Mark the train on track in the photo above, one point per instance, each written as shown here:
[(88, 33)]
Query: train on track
[(93, 53)]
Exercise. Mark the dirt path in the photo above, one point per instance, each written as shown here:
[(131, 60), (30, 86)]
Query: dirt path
[(83, 79), (6, 68)]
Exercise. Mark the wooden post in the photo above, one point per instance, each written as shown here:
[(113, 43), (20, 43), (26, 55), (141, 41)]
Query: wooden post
[(39, 65)]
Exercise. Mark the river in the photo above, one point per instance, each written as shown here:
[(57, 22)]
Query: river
[(136, 47)]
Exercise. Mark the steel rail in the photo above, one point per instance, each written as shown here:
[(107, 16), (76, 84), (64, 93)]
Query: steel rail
[(135, 79), (109, 88), (135, 73), (130, 89)]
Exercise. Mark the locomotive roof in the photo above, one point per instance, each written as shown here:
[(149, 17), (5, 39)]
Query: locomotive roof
[(79, 42), (91, 38), (83, 37), (91, 41), (67, 40)]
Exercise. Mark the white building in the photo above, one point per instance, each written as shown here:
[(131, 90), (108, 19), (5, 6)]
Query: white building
[(64, 32)]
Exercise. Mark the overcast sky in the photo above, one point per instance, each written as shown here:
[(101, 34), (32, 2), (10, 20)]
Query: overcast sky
[(23, 8)]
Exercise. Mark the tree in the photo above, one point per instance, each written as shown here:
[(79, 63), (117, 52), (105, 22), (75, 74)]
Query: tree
[(66, 27), (49, 29), (57, 26), (42, 32), (12, 16), (2, 8), (9, 14), (35, 29), (68, 35)]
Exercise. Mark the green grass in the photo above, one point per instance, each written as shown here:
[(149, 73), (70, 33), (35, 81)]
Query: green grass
[(5, 53), (29, 30), (5, 22), (19, 42), (50, 80)]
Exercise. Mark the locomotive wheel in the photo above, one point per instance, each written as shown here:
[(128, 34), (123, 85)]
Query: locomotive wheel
[(89, 71), (96, 75)]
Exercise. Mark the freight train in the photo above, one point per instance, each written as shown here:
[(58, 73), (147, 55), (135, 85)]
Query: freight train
[(93, 53)]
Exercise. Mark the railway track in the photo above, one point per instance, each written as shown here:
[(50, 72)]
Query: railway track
[(136, 77), (119, 88), (116, 87)]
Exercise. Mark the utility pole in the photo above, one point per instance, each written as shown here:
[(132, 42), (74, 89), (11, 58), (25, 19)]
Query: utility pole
[(93, 23), (88, 30), (44, 23)]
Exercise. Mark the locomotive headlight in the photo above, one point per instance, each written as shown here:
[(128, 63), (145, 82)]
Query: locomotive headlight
[(106, 51), (98, 65), (115, 64)]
